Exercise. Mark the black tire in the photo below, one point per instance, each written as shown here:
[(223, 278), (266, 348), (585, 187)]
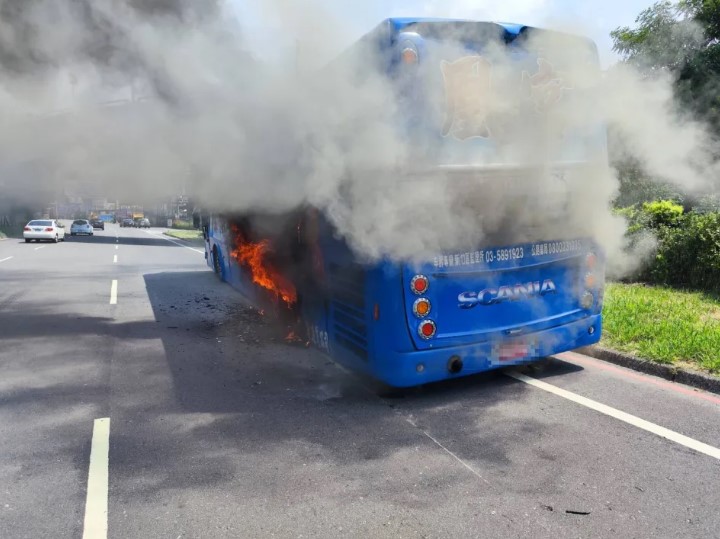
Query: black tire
[(216, 263), (27, 240)]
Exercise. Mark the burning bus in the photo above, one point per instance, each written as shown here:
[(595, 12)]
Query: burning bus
[(500, 113)]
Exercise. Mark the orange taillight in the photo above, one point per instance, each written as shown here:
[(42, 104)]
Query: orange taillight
[(421, 307), (409, 56)]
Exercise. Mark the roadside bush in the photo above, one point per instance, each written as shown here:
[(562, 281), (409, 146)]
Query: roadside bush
[(688, 245), (689, 256), (654, 215), (662, 213)]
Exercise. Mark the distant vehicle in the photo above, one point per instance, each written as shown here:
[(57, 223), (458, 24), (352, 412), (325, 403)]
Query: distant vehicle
[(98, 223), (142, 223), (127, 222), (49, 230), (81, 226)]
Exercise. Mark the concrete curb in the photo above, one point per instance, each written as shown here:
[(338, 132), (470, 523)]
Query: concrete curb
[(681, 375)]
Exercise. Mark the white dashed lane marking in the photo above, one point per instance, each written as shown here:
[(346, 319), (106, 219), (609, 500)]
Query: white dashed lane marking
[(96, 503), (113, 292), (622, 416), (6, 259)]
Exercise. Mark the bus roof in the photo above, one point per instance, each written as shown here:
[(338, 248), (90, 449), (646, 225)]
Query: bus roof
[(388, 28), (400, 23)]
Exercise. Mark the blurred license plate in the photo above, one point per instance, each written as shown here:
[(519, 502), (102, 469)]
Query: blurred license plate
[(513, 351), (37, 229)]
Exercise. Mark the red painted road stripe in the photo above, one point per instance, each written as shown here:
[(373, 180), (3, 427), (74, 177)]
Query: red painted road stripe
[(586, 361)]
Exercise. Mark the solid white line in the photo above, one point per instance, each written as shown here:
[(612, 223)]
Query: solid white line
[(4, 259), (622, 416), (113, 292), (96, 504), (115, 259), (41, 247), (175, 242)]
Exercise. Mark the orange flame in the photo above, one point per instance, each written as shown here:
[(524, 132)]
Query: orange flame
[(253, 256)]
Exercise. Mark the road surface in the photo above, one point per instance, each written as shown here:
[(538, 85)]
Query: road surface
[(140, 397)]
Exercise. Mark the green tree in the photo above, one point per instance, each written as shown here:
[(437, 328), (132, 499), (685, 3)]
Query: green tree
[(667, 36), (681, 38)]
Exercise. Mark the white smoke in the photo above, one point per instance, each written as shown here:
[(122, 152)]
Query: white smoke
[(243, 135)]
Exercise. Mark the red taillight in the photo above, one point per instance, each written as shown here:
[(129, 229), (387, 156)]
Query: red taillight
[(426, 329), (49, 229), (27, 228), (419, 284)]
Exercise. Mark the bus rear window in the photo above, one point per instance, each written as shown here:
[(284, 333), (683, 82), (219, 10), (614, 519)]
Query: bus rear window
[(463, 31)]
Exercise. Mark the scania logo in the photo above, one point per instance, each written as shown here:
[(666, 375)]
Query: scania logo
[(491, 296)]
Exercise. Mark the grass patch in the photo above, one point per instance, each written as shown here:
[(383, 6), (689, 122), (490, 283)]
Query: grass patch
[(663, 324), (183, 225), (185, 234)]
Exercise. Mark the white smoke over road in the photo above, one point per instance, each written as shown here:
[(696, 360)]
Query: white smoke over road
[(242, 135)]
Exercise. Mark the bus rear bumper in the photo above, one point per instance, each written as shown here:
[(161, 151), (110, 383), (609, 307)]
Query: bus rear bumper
[(407, 369)]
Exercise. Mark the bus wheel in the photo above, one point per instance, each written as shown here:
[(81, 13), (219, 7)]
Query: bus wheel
[(216, 263)]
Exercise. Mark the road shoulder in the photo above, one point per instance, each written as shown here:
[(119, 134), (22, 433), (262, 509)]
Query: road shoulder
[(673, 373)]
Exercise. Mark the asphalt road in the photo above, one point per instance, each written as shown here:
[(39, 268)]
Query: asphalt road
[(219, 428)]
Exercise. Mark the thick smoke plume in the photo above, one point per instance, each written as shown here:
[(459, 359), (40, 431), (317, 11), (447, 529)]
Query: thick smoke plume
[(208, 116)]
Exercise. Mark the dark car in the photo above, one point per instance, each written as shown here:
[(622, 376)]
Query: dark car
[(127, 222), (98, 223)]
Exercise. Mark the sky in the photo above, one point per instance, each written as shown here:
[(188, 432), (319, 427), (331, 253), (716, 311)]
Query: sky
[(593, 18)]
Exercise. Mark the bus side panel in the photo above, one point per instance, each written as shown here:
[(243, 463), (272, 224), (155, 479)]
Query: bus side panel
[(335, 305), (352, 311)]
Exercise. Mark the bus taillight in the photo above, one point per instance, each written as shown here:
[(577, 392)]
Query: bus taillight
[(427, 329), (591, 261), (421, 307), (590, 280), (587, 300), (409, 54), (419, 284)]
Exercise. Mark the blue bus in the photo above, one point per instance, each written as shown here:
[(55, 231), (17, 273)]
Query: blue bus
[(453, 313)]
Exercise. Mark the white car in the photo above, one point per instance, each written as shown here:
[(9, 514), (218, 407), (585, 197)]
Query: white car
[(81, 226), (44, 229)]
